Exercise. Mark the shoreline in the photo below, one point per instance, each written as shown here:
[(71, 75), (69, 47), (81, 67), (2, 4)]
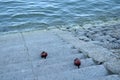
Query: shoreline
[(70, 26)]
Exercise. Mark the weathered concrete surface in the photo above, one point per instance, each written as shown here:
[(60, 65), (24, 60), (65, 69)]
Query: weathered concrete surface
[(98, 53), (78, 74), (110, 77), (61, 67), (12, 49), (17, 75), (14, 59), (45, 41), (113, 66), (20, 56)]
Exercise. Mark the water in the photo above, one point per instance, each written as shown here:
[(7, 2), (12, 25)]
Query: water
[(17, 15)]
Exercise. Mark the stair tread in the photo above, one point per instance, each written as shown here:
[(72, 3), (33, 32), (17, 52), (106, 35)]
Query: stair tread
[(40, 62), (95, 53), (59, 63), (77, 74), (49, 61), (61, 67), (109, 77)]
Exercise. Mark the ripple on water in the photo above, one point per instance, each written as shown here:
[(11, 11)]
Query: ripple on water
[(31, 14), (28, 15)]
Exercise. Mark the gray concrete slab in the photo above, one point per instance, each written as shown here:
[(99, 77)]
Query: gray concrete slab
[(51, 61), (9, 40), (15, 67), (61, 67), (52, 49), (46, 41), (12, 49), (20, 57), (98, 53), (110, 77), (78, 74), (18, 75), (113, 66), (14, 59), (13, 55), (40, 36)]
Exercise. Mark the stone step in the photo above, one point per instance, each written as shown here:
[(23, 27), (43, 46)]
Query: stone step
[(78, 74), (42, 36), (61, 67), (60, 59), (21, 60), (9, 40), (55, 48), (98, 53), (37, 63), (12, 49), (53, 51), (13, 55), (109, 77), (18, 75)]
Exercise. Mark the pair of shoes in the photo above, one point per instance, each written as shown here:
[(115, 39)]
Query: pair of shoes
[(77, 62)]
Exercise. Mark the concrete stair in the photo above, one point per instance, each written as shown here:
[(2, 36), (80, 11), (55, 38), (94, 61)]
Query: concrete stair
[(61, 67), (24, 63), (39, 63), (52, 61), (78, 74), (110, 77)]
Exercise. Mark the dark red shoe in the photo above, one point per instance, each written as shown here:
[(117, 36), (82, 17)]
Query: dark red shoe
[(77, 62), (44, 54)]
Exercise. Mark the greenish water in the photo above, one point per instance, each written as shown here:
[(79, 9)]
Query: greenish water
[(17, 15)]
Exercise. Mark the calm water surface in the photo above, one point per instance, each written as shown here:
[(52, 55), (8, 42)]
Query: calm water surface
[(17, 15)]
